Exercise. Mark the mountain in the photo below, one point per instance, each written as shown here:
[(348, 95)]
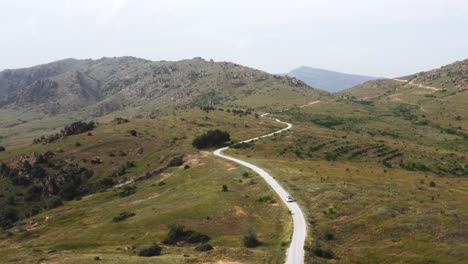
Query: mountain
[(330, 81), (74, 89)]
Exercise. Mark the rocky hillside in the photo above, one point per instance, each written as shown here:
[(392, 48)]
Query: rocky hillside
[(452, 77), (330, 81), (102, 86)]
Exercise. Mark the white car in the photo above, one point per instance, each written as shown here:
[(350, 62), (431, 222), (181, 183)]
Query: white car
[(289, 199)]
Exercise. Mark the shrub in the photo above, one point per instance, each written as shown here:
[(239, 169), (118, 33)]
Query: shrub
[(122, 216), (8, 216), (243, 145), (212, 138), (33, 193), (178, 233), (432, 184), (225, 188), (53, 202), (78, 128), (332, 155), (323, 253), (251, 241), (176, 161), (2, 148), (33, 211), (38, 172), (150, 251), (125, 191), (77, 144), (133, 133), (204, 248)]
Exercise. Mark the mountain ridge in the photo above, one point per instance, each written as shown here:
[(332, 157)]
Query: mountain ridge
[(328, 80)]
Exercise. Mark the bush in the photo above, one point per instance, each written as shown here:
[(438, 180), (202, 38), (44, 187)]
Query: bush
[(38, 172), (125, 191), (122, 216), (133, 133), (331, 155), (251, 241), (8, 216), (2, 148), (78, 128), (33, 193), (204, 248), (212, 138), (53, 202), (432, 184), (323, 253), (225, 188), (33, 211), (177, 233), (150, 251), (176, 161)]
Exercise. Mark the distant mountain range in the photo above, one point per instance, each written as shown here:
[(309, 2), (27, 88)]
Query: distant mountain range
[(330, 81)]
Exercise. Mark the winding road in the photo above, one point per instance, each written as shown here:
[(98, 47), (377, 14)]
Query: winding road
[(295, 253)]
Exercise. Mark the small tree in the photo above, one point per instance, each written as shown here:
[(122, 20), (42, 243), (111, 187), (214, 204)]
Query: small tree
[(225, 188)]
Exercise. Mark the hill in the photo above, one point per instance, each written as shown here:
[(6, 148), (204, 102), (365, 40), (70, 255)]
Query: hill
[(69, 90), (330, 81), (380, 171)]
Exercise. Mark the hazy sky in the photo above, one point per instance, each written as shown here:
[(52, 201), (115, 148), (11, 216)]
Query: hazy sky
[(375, 37)]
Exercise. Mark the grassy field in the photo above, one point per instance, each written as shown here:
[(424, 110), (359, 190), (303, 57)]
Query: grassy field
[(363, 206), (80, 230)]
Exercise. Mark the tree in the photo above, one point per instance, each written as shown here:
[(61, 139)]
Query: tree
[(212, 138)]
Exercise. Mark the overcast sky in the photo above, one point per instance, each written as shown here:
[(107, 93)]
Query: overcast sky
[(374, 37)]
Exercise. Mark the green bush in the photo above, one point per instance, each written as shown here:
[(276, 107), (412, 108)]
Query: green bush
[(2, 148), (212, 138), (125, 191), (8, 216), (33, 193), (323, 253), (178, 233), (122, 216), (224, 188), (332, 155), (150, 251), (53, 202), (176, 161)]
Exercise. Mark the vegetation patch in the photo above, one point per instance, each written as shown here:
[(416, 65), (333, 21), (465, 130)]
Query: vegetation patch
[(177, 233), (122, 216)]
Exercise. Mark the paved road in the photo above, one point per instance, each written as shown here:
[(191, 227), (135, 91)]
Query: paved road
[(295, 253)]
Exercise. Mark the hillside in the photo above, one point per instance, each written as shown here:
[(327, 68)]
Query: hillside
[(330, 81), (39, 99), (379, 170)]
